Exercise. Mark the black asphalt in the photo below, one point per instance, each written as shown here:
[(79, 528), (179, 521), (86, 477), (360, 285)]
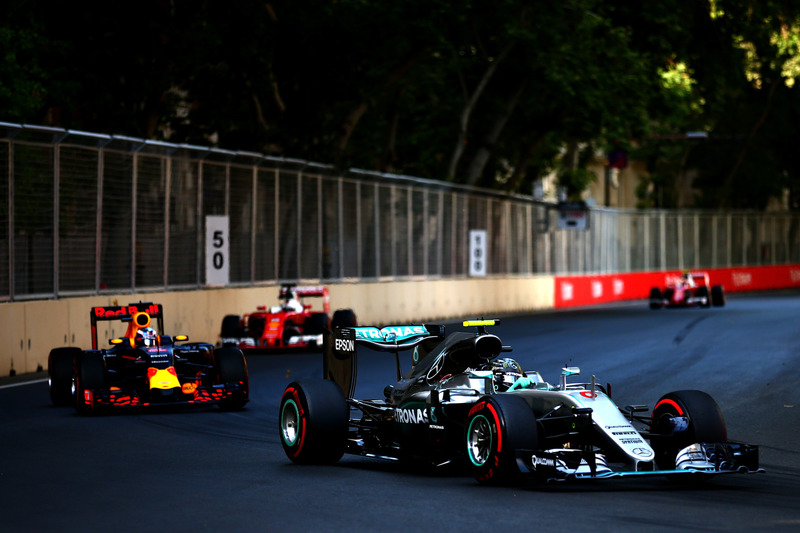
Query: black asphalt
[(210, 470)]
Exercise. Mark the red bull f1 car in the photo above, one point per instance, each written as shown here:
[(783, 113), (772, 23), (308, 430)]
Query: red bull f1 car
[(145, 368), (689, 290), (460, 403), (291, 324)]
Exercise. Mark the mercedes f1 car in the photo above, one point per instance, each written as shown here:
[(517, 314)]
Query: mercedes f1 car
[(461, 403), (691, 289), (292, 324), (144, 368)]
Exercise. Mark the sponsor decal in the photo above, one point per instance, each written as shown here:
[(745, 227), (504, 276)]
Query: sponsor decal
[(642, 452), (567, 291), (397, 332), (477, 407), (537, 461), (741, 279), (624, 433), (124, 311), (619, 287), (411, 416), (631, 441), (436, 426), (597, 288), (344, 345)]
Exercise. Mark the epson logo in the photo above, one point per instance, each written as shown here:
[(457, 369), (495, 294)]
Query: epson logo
[(344, 345)]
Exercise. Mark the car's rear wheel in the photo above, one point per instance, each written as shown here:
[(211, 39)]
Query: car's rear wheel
[(313, 420), (344, 318), (60, 374), (718, 296), (496, 428), (682, 418), (655, 298), (316, 324), (90, 378), (231, 327), (232, 371)]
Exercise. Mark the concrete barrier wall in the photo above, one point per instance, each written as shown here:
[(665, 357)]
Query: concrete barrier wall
[(31, 329)]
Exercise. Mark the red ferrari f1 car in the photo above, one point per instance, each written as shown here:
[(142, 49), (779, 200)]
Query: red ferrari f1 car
[(291, 324), (691, 289), (145, 368)]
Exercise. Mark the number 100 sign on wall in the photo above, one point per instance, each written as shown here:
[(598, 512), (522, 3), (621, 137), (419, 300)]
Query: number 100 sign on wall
[(217, 270)]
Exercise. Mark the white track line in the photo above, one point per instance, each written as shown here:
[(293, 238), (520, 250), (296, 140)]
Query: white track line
[(23, 383)]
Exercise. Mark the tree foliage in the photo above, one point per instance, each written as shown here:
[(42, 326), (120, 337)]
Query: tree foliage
[(494, 93)]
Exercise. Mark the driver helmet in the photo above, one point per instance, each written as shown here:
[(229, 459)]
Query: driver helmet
[(146, 337), (506, 372)]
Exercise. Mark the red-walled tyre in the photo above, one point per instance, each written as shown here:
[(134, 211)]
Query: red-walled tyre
[(682, 418), (496, 427), (313, 420)]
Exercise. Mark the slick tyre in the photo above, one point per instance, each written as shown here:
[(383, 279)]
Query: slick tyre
[(717, 296), (496, 428), (90, 379), (231, 327), (60, 370), (313, 420), (344, 318), (316, 324), (702, 292), (682, 418), (232, 371), (655, 298)]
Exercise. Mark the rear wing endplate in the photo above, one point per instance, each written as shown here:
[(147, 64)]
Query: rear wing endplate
[(339, 353)]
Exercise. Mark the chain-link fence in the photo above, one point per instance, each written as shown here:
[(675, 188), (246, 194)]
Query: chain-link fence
[(92, 214)]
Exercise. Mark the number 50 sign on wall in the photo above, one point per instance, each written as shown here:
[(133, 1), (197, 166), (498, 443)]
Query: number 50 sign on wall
[(217, 270)]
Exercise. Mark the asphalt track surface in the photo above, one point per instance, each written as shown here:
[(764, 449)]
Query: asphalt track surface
[(208, 470)]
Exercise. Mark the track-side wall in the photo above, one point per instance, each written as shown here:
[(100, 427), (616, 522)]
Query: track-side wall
[(31, 329), (572, 291)]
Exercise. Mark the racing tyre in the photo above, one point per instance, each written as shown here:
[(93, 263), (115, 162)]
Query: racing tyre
[(717, 296), (702, 292), (313, 420), (90, 378), (344, 318), (682, 418), (655, 298), (231, 327), (232, 371), (60, 367), (289, 330), (497, 427), (315, 324)]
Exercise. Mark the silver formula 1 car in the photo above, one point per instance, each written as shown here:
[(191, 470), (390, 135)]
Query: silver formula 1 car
[(461, 402)]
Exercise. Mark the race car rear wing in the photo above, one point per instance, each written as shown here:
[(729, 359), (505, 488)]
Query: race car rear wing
[(137, 314), (339, 353)]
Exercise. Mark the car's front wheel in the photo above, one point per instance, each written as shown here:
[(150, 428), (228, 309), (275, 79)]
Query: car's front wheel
[(496, 428), (232, 371), (60, 375), (682, 418), (313, 420)]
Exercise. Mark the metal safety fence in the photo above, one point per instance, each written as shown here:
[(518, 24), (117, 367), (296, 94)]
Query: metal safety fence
[(92, 214)]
